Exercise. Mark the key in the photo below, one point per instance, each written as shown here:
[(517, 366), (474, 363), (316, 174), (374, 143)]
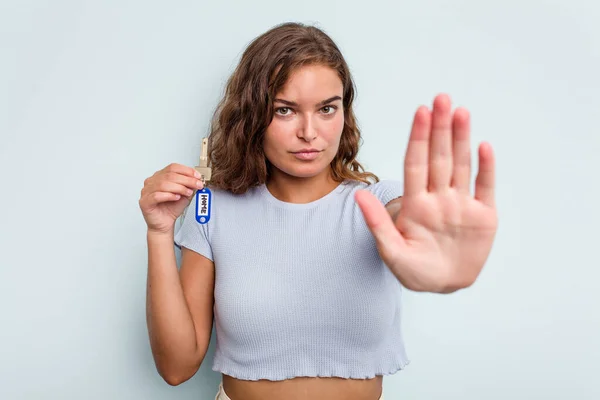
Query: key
[(203, 167), (204, 195)]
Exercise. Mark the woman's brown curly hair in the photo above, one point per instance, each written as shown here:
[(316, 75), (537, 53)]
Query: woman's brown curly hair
[(239, 123)]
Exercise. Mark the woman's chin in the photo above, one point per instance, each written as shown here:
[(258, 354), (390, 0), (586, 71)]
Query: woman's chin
[(306, 171)]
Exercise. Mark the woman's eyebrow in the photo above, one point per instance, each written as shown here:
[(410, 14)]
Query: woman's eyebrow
[(294, 104)]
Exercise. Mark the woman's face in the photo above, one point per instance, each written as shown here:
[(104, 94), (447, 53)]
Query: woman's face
[(304, 135)]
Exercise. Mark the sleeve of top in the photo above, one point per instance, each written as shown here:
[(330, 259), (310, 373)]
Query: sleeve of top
[(191, 234), (387, 190)]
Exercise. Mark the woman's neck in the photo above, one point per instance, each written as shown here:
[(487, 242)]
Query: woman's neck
[(300, 190)]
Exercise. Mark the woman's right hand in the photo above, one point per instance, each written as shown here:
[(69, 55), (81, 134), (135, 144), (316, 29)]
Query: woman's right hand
[(166, 194)]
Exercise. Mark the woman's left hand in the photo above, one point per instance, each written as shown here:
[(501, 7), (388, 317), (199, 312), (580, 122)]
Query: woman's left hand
[(441, 236)]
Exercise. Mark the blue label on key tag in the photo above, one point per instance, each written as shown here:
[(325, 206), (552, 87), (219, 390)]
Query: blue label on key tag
[(203, 205)]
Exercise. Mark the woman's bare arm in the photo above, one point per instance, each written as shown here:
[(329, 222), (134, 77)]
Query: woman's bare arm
[(179, 308)]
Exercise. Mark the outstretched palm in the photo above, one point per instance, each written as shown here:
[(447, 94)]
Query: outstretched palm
[(441, 237)]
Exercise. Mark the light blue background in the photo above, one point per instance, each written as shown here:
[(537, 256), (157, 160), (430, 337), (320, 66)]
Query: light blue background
[(96, 96)]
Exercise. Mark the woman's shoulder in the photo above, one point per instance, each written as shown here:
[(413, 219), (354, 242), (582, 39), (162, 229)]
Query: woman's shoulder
[(374, 186), (385, 190)]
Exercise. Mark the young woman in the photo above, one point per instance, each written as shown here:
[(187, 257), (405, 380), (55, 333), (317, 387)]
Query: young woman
[(303, 258)]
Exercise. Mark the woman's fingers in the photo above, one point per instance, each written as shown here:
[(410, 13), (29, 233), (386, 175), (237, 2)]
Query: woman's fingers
[(169, 181), (181, 174), (175, 188), (438, 154), (440, 147), (486, 180), (149, 201), (156, 198), (416, 161), (182, 169), (187, 181), (170, 184), (379, 222), (461, 174), (164, 191)]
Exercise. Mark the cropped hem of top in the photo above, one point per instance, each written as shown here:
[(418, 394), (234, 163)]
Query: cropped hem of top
[(300, 289), (295, 372)]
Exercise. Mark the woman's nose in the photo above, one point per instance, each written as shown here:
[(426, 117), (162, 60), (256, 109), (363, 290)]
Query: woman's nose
[(307, 130)]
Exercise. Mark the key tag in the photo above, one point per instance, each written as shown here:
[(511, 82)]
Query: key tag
[(203, 205), (204, 196)]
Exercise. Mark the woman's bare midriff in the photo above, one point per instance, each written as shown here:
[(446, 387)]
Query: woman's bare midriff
[(304, 388)]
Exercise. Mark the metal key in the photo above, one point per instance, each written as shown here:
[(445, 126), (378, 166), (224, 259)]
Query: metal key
[(203, 168)]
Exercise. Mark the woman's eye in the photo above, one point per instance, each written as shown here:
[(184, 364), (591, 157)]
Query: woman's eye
[(328, 109), (279, 110), (284, 111)]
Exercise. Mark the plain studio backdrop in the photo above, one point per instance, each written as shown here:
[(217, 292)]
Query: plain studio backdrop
[(96, 96)]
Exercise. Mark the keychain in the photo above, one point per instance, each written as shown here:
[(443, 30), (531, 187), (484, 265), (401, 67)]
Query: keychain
[(203, 200), (204, 195)]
